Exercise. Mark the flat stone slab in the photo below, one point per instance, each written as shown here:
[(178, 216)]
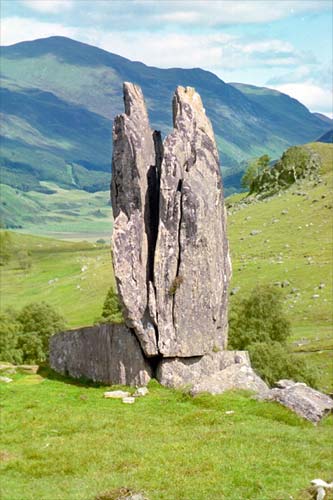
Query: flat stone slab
[(105, 353), (128, 400), (116, 394)]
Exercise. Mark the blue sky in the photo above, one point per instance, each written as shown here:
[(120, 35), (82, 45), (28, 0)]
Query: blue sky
[(282, 44)]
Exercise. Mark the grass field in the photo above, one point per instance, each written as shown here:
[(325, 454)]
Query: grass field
[(65, 214), (74, 277), (168, 445)]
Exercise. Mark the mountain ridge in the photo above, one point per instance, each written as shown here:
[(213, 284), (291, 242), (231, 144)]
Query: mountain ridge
[(88, 81)]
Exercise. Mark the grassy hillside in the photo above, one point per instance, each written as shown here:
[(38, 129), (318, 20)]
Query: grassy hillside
[(73, 277), (62, 440), (59, 97), (61, 213), (292, 248)]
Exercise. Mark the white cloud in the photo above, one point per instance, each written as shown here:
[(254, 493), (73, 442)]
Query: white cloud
[(48, 6), (14, 27), (314, 97), (226, 11), (268, 46)]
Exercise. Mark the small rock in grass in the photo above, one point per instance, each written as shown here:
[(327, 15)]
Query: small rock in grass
[(6, 380), (315, 296), (116, 394), (7, 367), (129, 400), (235, 290), (321, 286), (254, 232), (28, 368), (229, 412), (284, 212), (141, 391)]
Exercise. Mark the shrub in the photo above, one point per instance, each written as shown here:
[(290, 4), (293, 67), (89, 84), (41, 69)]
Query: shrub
[(5, 247), (258, 324), (10, 330), (32, 348), (272, 361), (41, 318), (24, 260), (258, 318), (112, 312)]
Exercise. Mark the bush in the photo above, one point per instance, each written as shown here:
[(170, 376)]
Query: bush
[(274, 362), (112, 312), (41, 318), (258, 318), (5, 247), (10, 330), (258, 324), (25, 336)]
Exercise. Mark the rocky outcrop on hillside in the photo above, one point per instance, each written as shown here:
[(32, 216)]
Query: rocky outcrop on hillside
[(296, 163)]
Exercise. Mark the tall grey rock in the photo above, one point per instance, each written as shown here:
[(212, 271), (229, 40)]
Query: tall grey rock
[(134, 194), (192, 266), (170, 251)]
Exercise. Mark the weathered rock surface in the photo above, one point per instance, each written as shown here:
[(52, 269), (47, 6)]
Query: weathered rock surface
[(104, 353), (192, 265), (303, 400), (180, 372), (236, 376), (135, 167)]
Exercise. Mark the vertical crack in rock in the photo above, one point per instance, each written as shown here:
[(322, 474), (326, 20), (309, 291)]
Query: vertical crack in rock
[(170, 251), (192, 267), (134, 167)]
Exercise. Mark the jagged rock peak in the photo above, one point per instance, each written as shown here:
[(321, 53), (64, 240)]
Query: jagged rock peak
[(187, 106), (134, 194), (134, 102)]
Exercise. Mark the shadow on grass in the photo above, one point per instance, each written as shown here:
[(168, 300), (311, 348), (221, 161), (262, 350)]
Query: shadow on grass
[(47, 373)]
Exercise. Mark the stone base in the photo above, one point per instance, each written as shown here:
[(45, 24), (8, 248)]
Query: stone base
[(181, 372), (107, 353)]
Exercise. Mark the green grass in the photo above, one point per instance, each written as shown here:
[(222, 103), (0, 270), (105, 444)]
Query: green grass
[(168, 445), (72, 277), (72, 214), (296, 247)]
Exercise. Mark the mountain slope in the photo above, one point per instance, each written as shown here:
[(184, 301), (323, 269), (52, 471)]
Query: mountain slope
[(60, 96), (327, 137)]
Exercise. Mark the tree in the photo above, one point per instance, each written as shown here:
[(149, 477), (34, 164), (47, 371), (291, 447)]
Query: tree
[(258, 324), (111, 309), (5, 247), (38, 320), (255, 168), (10, 330), (258, 318), (274, 362)]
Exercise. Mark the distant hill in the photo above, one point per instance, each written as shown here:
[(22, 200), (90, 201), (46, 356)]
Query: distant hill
[(325, 118), (59, 97), (327, 137)]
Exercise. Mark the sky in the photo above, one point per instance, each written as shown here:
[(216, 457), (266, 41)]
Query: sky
[(281, 44)]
